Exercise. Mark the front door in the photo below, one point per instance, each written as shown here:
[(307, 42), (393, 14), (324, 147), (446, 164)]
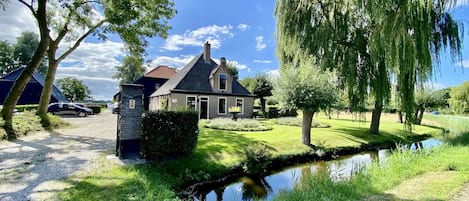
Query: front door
[(203, 108)]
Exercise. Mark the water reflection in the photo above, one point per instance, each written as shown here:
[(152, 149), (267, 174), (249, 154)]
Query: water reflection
[(268, 187)]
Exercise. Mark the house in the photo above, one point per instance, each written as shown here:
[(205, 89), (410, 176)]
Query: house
[(32, 92), (151, 81), (204, 86)]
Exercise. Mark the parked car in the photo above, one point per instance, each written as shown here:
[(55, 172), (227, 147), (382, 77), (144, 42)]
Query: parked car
[(69, 109), (115, 110)]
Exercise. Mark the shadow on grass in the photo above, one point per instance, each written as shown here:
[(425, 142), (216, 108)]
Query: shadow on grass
[(129, 184), (361, 135)]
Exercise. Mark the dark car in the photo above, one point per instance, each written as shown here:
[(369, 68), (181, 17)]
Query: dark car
[(69, 109)]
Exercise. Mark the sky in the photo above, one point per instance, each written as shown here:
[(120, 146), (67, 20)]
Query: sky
[(241, 31)]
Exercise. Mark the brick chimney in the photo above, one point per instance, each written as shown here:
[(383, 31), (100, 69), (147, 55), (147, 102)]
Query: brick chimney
[(207, 52)]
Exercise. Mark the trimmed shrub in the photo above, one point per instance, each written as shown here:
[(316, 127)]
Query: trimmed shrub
[(293, 121), (96, 109), (239, 125), (169, 134)]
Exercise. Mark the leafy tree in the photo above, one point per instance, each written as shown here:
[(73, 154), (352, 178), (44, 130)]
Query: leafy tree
[(25, 46), (308, 89), (73, 89), (232, 69), (7, 61), (262, 88), (459, 101), (39, 13), (426, 99), (73, 21), (248, 83), (130, 70), (368, 41)]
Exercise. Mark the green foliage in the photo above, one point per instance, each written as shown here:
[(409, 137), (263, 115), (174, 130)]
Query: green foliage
[(239, 125), (262, 86), (293, 121), (430, 99), (369, 42), (232, 69), (189, 175), (258, 158), (130, 70), (22, 108), (73, 89), (459, 100), (167, 134), (7, 63), (23, 124), (248, 83), (56, 122), (306, 88)]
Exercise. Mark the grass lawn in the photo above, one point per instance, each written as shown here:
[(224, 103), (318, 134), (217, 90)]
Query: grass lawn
[(218, 151), (435, 174)]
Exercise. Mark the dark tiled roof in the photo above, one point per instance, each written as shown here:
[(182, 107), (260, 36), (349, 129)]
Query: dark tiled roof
[(37, 77), (195, 78)]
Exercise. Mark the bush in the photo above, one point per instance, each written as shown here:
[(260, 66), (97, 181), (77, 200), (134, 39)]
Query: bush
[(273, 112), (96, 109), (22, 108), (285, 112), (23, 124), (258, 158), (167, 134), (293, 121), (240, 125)]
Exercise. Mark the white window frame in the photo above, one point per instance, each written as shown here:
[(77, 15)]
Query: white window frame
[(195, 99), (218, 105), (219, 81), (242, 103)]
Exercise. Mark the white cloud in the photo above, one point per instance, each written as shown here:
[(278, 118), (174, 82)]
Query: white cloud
[(238, 65), (434, 85), (214, 34), (273, 73), (14, 20), (178, 62), (262, 61), (461, 3), (243, 27), (260, 45), (464, 63)]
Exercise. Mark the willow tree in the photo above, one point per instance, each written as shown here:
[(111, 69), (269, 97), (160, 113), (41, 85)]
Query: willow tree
[(367, 42), (130, 70)]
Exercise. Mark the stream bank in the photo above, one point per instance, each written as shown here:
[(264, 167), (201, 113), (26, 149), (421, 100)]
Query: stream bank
[(216, 188)]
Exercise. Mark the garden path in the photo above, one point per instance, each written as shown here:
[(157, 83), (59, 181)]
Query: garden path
[(31, 167)]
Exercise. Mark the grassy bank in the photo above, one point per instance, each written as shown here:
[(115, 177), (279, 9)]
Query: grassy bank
[(218, 151), (436, 174)]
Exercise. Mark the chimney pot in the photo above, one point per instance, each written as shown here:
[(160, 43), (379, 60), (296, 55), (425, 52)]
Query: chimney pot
[(223, 61)]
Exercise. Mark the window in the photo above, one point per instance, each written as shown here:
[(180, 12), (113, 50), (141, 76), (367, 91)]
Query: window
[(190, 102), (240, 104), (221, 105), (222, 84)]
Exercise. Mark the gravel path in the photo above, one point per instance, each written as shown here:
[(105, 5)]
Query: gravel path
[(31, 166)]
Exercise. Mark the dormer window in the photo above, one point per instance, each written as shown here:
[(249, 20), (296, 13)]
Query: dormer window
[(222, 83)]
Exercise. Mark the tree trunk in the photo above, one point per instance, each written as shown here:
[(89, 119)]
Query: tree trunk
[(20, 84), (418, 121), (262, 99), (47, 89), (399, 116), (306, 127), (375, 118)]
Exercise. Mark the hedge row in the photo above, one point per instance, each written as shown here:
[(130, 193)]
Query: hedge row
[(169, 134)]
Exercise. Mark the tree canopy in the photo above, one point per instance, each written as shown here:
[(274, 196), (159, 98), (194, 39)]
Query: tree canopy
[(73, 89), (367, 42), (459, 101), (262, 88), (130, 70)]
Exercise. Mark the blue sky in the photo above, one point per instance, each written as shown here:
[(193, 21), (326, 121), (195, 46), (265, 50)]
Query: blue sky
[(242, 31)]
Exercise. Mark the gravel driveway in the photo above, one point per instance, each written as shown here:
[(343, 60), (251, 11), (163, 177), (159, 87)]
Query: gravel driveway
[(30, 166)]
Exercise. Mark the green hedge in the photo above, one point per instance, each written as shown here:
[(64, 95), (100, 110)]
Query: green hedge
[(168, 134), (22, 108)]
